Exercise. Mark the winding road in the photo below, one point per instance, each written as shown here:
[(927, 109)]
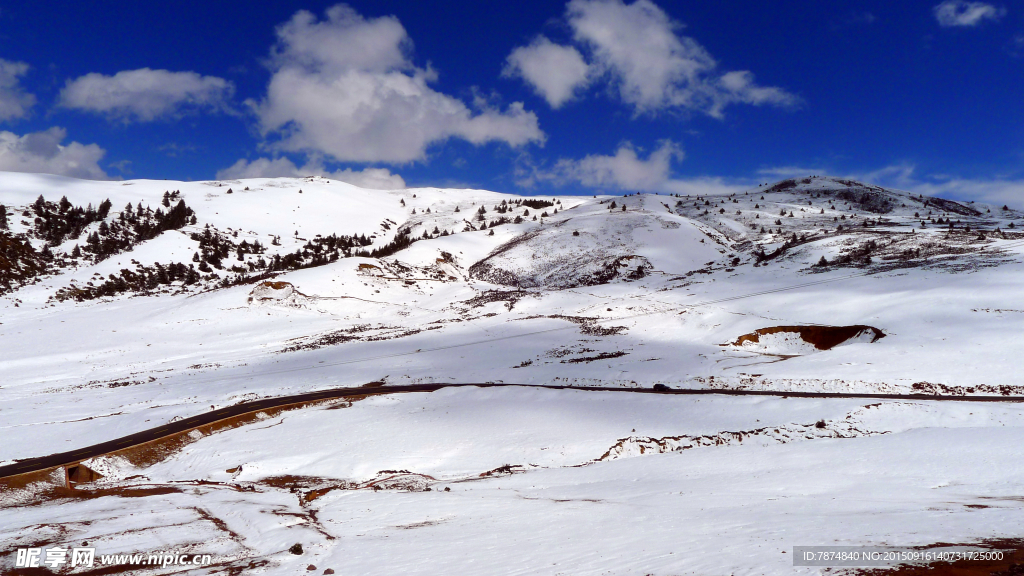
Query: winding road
[(41, 463)]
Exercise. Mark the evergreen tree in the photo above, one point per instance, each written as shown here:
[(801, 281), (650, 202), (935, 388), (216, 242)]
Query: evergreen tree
[(176, 217)]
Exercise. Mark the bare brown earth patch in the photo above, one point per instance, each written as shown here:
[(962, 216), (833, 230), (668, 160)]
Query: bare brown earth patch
[(359, 332), (1012, 563), (309, 488), (504, 470), (943, 389), (42, 479), (783, 434), (150, 453), (821, 337), (601, 356)]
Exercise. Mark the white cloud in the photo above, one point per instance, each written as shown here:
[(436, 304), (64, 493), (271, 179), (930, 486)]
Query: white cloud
[(555, 72), (623, 171), (14, 101), (903, 176), (997, 191), (344, 87), (627, 171), (739, 87), (783, 172), (145, 95), (42, 152), (649, 66), (706, 186), (374, 178), (962, 13)]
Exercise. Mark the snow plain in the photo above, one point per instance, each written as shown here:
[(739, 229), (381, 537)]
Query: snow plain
[(540, 481)]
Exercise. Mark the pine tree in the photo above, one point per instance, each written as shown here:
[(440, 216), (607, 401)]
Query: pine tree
[(176, 217)]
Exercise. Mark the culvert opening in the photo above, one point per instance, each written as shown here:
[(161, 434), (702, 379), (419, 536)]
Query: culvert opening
[(79, 474)]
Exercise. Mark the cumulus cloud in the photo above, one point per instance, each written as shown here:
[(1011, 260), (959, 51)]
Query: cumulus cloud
[(555, 72), (636, 48), (146, 95), (623, 171), (42, 152), (374, 178), (345, 87), (627, 171), (14, 101), (961, 13)]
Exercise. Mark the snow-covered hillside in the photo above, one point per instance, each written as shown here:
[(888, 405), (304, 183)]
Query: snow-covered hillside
[(179, 297)]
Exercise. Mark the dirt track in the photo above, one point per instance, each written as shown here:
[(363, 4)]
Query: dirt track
[(30, 465)]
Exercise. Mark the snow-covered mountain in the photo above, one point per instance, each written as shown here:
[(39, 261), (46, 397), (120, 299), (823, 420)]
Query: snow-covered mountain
[(124, 305)]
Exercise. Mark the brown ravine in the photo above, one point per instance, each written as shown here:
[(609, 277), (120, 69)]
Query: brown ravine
[(822, 337)]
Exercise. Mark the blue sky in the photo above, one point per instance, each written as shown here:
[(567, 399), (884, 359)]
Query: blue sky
[(526, 97)]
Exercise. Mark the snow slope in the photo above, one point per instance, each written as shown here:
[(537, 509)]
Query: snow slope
[(587, 294)]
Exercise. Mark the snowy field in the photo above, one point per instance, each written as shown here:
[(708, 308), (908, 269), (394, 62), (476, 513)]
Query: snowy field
[(814, 285)]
